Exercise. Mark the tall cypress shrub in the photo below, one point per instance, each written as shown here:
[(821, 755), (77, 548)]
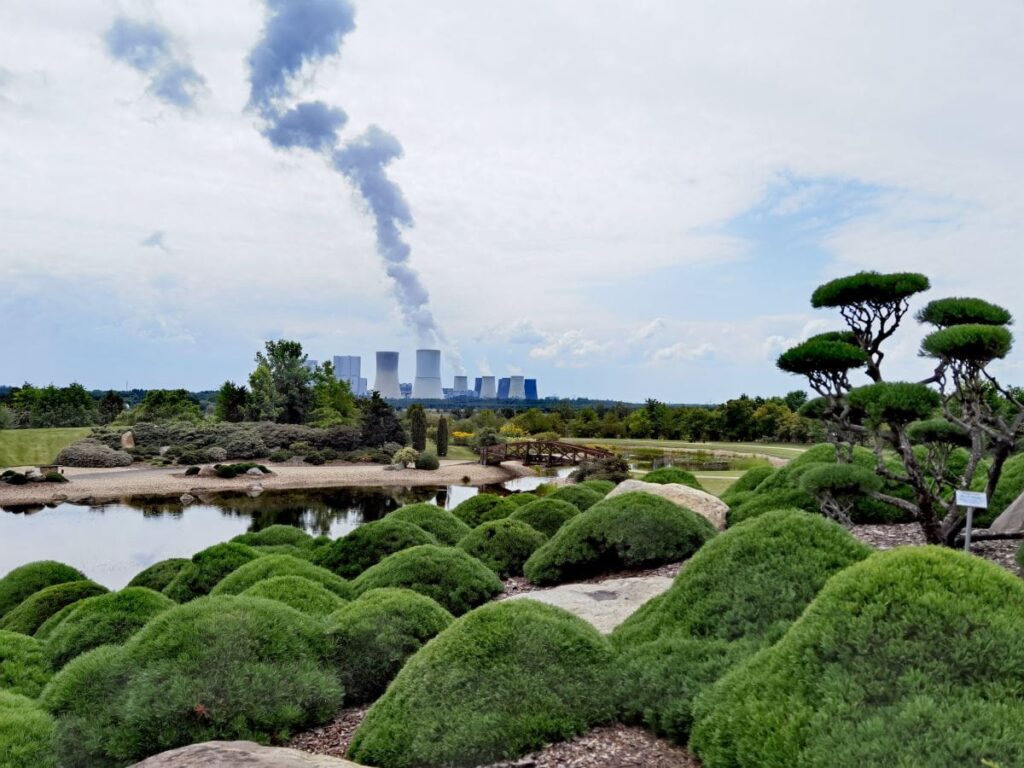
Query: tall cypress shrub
[(442, 437), (418, 426)]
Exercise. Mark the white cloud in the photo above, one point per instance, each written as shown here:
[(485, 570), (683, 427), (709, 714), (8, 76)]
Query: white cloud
[(648, 330), (682, 352), (570, 349)]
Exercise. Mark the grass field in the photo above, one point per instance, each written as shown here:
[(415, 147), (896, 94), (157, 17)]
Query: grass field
[(455, 452), (779, 450), (20, 447)]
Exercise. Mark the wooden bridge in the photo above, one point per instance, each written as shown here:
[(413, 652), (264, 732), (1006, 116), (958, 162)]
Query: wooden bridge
[(550, 452)]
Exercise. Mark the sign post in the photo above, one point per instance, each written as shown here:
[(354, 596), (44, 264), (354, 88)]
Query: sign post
[(972, 500)]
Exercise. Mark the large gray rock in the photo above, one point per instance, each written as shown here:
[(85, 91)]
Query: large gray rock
[(207, 472), (711, 508), (127, 440), (236, 754), (1012, 518)]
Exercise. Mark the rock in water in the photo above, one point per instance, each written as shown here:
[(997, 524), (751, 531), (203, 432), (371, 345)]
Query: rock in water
[(127, 440), (187, 498), (236, 754), (711, 508)]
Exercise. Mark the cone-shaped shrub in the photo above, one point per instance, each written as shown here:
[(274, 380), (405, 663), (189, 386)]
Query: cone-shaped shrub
[(375, 635), (508, 678), (206, 570), (503, 545), (30, 578), (446, 574), (26, 733), (440, 523), (24, 668), (483, 508), (30, 614), (546, 515), (666, 475), (634, 530), (368, 544), (215, 668), (297, 592), (522, 499), (603, 487), (159, 574), (274, 535), (911, 657), (269, 566), (580, 497), (105, 619)]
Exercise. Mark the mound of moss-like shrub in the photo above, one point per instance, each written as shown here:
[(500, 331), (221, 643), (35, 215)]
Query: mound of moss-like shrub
[(666, 475), (229, 471), (522, 499), (580, 497), (746, 483), (503, 545), (30, 614), (92, 453), (448, 575), (297, 592), (440, 523), (26, 733), (270, 566), (274, 535), (216, 668), (31, 577), (105, 619), (368, 544), (506, 679), (634, 530), (546, 515), (206, 569), (483, 508), (738, 594), (428, 461), (611, 468), (768, 501), (911, 657), (375, 635), (603, 487), (24, 668), (159, 574)]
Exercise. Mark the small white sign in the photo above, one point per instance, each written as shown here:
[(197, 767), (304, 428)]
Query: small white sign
[(972, 499)]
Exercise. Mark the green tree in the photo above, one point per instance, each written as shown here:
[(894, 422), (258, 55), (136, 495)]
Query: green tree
[(442, 437), (333, 401), (264, 401), (380, 423), (418, 426), (163, 405), (231, 402), (292, 379), (111, 406)]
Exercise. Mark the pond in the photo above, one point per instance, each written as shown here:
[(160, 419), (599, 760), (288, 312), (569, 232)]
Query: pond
[(110, 543)]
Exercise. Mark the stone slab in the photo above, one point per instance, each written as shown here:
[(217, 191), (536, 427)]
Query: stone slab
[(235, 754)]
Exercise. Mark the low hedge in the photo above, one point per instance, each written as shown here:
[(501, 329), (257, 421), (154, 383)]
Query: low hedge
[(26, 733), (375, 635), (634, 530), (206, 569), (30, 614), (274, 535), (580, 497), (368, 544), (269, 566), (446, 574), (440, 523), (506, 679), (159, 574), (674, 475), (503, 545), (24, 668), (483, 508), (30, 578), (297, 592), (546, 515)]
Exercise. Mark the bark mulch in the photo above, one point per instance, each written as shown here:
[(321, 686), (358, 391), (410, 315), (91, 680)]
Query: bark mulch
[(331, 739), (1001, 552), (611, 746)]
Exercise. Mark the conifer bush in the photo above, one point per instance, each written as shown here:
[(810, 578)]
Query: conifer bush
[(1010, 486), (30, 614), (26, 733), (440, 523), (24, 668), (206, 569), (666, 475), (522, 499), (270, 566), (747, 482), (580, 497), (31, 577), (546, 515), (368, 544), (603, 487), (483, 508), (275, 535), (297, 592), (159, 574), (503, 545)]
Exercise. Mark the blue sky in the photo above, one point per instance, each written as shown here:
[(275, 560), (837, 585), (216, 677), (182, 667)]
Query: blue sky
[(620, 204)]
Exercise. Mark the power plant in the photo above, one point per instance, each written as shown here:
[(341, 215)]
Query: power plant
[(427, 384), (386, 381), (347, 368), (487, 388)]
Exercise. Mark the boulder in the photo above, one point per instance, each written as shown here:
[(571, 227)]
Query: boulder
[(34, 476), (711, 508), (235, 754), (187, 498), (1011, 520), (207, 472), (127, 440), (254, 472)]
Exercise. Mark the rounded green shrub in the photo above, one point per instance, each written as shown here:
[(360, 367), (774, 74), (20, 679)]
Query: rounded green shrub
[(840, 480), (105, 619), (634, 530), (580, 497), (483, 508), (440, 523), (159, 574), (368, 544), (275, 535), (943, 313), (503, 545), (215, 668), (270, 566), (894, 402), (938, 431), (508, 678), (297, 592), (30, 614), (759, 503), (976, 344), (522, 499), (666, 475), (817, 356), (546, 515), (24, 668), (911, 657), (375, 635), (446, 574), (748, 481), (603, 487), (869, 288), (427, 461), (1009, 487), (31, 577), (26, 733), (206, 569)]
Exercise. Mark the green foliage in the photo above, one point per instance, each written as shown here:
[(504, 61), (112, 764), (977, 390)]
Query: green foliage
[(380, 423), (440, 523), (598, 485), (750, 479), (230, 471), (889, 665), (48, 407), (405, 456), (30, 614), (667, 475), (274, 535), (159, 574), (896, 403), (264, 402), (104, 619), (523, 498), (503, 545), (218, 668), (418, 426), (943, 313), (24, 668), (820, 356), (245, 444), (26, 733), (333, 401), (504, 680), (1009, 487), (614, 469), (297, 592), (279, 455), (782, 498), (546, 515), (581, 498), (270, 566), (634, 530), (447, 574), (442, 437), (316, 458), (27, 579), (869, 288), (427, 461), (938, 431), (91, 453), (974, 344), (292, 379), (368, 544), (165, 405), (230, 403), (206, 569), (54, 477), (483, 508), (375, 635), (839, 480)]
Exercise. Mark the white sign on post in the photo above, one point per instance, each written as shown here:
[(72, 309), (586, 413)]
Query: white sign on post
[(972, 500)]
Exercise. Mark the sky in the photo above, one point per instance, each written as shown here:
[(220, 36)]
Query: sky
[(620, 199)]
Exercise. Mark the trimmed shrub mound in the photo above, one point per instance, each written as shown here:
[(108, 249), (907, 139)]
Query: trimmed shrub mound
[(206, 569), (269, 566), (92, 453), (447, 574), (26, 733), (297, 592), (275, 535), (216, 668), (483, 508), (159, 574), (747, 482), (503, 545), (759, 503), (911, 657), (634, 530), (427, 461), (500, 682), (580, 497), (546, 515), (105, 619), (375, 635), (667, 475), (30, 578), (23, 665), (440, 523), (38, 607), (597, 485), (522, 499), (368, 544)]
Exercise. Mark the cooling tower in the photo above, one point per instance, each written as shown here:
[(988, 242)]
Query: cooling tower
[(531, 389), (517, 388), (503, 387), (427, 384), (387, 375), (461, 385), (487, 388)]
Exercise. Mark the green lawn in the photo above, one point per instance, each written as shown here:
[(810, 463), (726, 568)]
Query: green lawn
[(779, 450), (19, 447), (455, 452)]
